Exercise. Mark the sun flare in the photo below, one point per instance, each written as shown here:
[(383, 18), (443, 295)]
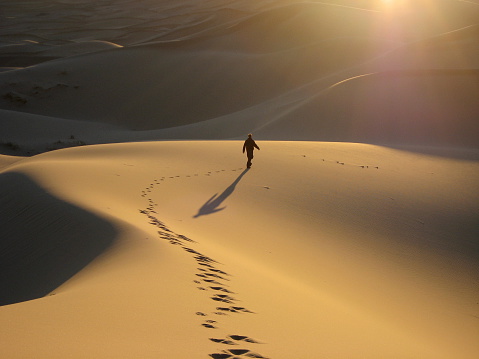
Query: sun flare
[(389, 2)]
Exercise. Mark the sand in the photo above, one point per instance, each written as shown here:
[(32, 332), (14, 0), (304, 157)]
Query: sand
[(131, 228)]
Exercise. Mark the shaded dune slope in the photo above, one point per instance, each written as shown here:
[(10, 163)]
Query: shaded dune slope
[(442, 110), (451, 50), (168, 88), (183, 82), (43, 240)]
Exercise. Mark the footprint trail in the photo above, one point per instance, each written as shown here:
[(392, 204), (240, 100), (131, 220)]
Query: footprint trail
[(208, 278)]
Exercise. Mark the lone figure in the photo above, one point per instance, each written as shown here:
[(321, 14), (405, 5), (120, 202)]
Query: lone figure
[(249, 145)]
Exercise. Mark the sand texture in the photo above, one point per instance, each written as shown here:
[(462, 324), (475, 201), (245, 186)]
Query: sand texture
[(130, 226)]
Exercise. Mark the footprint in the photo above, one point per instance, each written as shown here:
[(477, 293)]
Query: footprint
[(241, 309), (189, 250), (219, 313), (204, 259), (185, 238), (220, 356), (234, 309), (212, 275), (223, 341), (207, 325), (223, 298), (238, 351), (255, 355), (204, 275), (211, 281), (224, 309), (230, 352), (221, 289), (206, 265), (243, 338), (217, 270)]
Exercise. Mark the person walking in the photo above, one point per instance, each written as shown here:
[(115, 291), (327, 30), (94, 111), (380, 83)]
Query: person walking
[(249, 146)]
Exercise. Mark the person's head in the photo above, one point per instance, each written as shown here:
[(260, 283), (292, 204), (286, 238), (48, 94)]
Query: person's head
[(250, 135)]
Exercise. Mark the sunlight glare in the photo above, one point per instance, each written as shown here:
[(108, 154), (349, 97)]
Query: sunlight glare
[(389, 2)]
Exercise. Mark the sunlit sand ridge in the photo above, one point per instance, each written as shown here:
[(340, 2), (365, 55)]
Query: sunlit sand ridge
[(361, 242)]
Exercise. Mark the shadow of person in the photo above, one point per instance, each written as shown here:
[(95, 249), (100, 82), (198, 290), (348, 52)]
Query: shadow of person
[(211, 205)]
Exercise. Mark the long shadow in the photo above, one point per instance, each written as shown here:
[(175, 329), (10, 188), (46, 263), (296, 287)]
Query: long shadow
[(44, 241), (211, 205)]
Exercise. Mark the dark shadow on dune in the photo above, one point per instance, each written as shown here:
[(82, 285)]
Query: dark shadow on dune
[(44, 241), (211, 205)]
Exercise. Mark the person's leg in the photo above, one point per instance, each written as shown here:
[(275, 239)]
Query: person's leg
[(250, 157)]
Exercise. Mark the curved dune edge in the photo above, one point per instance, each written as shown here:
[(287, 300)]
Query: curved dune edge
[(355, 250)]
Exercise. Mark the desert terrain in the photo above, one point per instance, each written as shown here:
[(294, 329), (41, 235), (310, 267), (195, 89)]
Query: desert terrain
[(130, 226)]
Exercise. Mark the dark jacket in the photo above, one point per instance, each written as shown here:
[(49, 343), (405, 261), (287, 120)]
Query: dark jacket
[(249, 145)]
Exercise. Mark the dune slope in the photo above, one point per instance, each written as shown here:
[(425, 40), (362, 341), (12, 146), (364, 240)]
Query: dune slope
[(347, 249), (41, 235)]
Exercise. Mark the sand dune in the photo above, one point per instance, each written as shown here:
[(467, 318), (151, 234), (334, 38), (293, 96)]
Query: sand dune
[(166, 88), (441, 111), (324, 248), (122, 237), (257, 71)]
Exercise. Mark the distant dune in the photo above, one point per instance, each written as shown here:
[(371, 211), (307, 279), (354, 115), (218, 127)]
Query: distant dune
[(442, 110), (267, 69)]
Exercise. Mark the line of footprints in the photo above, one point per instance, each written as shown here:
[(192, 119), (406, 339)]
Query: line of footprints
[(210, 279), (344, 163)]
